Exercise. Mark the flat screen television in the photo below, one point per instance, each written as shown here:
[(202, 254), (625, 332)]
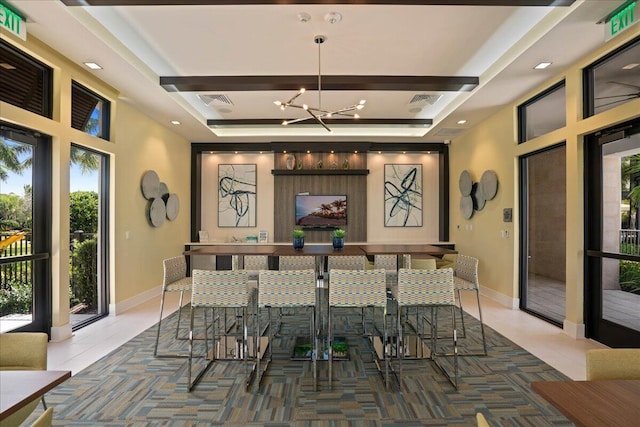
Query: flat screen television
[(321, 210)]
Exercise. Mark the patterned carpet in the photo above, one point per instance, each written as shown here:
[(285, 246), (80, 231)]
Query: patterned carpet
[(129, 387)]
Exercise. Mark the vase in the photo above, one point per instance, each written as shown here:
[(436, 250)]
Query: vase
[(338, 242), (298, 242)]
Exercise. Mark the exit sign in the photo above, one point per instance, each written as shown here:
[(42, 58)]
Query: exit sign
[(621, 19), (12, 21)]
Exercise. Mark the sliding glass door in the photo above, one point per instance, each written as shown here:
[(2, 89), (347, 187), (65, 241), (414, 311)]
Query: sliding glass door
[(613, 236), (25, 230), (543, 226)]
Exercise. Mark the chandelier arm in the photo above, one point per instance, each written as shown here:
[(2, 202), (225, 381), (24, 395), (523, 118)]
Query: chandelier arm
[(319, 120), (293, 98), (289, 122)]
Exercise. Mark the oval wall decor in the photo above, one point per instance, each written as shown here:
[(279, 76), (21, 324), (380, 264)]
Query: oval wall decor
[(157, 212), (150, 185), (465, 183), (163, 191), (173, 206), (466, 207), (477, 194), (489, 184)]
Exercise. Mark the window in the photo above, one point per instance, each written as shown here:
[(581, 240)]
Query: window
[(613, 80), (89, 111), (24, 82), (542, 114)]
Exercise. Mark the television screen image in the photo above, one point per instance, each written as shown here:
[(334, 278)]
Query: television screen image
[(321, 211)]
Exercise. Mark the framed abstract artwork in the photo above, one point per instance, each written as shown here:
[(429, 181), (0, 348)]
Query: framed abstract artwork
[(403, 195), (237, 195)]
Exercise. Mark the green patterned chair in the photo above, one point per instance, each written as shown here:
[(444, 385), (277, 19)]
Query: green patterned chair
[(286, 263), (212, 290), (287, 289), (426, 290), (466, 279), (174, 279), (358, 289), (254, 263), (390, 264)]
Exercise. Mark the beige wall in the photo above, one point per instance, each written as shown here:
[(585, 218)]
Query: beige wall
[(493, 145), (137, 145)]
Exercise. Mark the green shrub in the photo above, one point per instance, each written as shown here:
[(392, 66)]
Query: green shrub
[(15, 298), (84, 273), (630, 276)]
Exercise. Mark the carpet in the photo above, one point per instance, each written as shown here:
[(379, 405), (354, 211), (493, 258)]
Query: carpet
[(129, 387)]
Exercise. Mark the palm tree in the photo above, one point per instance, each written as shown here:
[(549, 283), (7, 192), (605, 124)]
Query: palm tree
[(631, 180), (85, 159), (10, 159)]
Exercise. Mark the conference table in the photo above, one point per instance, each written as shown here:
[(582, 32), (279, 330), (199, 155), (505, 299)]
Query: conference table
[(602, 403), (18, 388)]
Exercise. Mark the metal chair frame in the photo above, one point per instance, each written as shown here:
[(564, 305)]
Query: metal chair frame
[(426, 289), (466, 279), (358, 289), (286, 289), (220, 290)]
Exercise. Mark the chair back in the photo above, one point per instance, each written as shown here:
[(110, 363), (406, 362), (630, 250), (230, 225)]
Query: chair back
[(358, 288), (296, 263), (174, 269), (388, 262), (225, 288), (23, 351), (349, 262), (466, 268), (286, 288), (425, 287), (256, 262), (613, 364), (45, 419)]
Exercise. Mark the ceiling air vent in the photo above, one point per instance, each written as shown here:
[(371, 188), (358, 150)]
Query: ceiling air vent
[(424, 98), (215, 99)]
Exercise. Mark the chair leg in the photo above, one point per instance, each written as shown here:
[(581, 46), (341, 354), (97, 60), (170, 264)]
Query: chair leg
[(155, 348), (400, 345), (464, 330), (189, 385), (484, 341), (384, 347), (44, 404), (179, 313), (330, 349), (314, 347)]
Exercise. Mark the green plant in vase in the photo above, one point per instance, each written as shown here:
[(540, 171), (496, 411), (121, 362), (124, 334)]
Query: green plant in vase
[(298, 238), (338, 238)]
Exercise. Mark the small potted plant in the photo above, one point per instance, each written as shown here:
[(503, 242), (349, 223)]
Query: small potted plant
[(298, 238), (338, 238)]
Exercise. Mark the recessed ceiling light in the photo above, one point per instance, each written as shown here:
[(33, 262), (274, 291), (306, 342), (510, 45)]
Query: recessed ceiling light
[(630, 66), (93, 66), (7, 66), (175, 122), (461, 122), (542, 65)]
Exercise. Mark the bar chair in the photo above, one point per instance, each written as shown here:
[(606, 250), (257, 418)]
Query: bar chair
[(174, 279), (466, 279), (220, 290), (390, 264), (426, 289), (286, 289), (358, 289), (304, 262)]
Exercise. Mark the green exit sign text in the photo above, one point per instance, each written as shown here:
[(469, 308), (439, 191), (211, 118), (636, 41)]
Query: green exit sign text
[(622, 20)]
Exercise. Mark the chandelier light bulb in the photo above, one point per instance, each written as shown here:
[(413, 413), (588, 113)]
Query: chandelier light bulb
[(282, 107), (360, 106), (305, 107), (362, 101), (277, 102), (329, 114), (356, 116), (285, 123), (302, 90)]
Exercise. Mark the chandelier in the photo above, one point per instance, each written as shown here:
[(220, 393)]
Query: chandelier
[(318, 113)]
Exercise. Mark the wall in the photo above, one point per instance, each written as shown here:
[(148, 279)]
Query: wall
[(137, 145), (493, 145)]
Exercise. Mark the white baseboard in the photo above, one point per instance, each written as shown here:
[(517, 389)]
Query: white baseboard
[(122, 306), (574, 330), (61, 333), (512, 303)]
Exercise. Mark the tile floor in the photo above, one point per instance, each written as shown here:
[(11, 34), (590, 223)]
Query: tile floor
[(540, 338)]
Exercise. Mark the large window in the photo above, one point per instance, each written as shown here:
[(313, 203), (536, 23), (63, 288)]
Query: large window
[(542, 114), (613, 80), (89, 111), (24, 82)]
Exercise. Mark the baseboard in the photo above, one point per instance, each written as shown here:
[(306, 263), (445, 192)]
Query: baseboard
[(122, 306), (574, 330), (61, 333), (512, 303)]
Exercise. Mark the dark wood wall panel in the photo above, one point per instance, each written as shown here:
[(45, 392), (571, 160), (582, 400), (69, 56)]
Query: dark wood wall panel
[(287, 186)]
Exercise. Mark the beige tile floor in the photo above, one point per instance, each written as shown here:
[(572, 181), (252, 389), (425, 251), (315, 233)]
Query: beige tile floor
[(540, 338)]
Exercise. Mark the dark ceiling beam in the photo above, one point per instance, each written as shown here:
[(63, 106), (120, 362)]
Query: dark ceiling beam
[(516, 3), (282, 83), (328, 121)]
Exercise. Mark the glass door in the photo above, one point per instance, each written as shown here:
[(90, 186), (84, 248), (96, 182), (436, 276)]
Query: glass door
[(88, 226), (613, 236), (543, 227), (25, 230)]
